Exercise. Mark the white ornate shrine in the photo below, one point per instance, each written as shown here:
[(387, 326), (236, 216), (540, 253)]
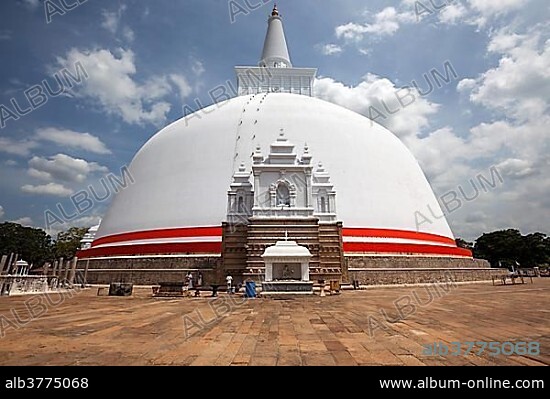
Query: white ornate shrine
[(287, 268)]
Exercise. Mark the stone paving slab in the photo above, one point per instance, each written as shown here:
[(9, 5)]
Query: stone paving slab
[(379, 326)]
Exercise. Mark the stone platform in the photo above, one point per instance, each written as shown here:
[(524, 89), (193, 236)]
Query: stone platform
[(365, 269), (389, 270), (287, 287), (83, 329), (150, 270)]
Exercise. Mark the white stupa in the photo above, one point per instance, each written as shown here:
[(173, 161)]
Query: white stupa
[(236, 162)]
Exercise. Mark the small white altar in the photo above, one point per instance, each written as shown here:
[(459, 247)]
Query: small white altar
[(287, 269)]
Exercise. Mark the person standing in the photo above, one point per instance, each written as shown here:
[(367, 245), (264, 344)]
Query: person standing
[(190, 281), (229, 280), (199, 281)]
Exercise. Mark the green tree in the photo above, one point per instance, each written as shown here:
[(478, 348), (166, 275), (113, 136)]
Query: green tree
[(33, 245), (506, 247), (68, 242), (500, 246), (536, 250), (464, 244)]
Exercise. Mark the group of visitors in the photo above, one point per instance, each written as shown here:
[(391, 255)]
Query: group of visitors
[(190, 281)]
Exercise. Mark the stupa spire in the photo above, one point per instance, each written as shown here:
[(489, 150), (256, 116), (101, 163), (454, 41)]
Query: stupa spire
[(275, 53), (275, 72)]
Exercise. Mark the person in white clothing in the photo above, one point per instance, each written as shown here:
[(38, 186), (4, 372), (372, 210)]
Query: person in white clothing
[(229, 280)]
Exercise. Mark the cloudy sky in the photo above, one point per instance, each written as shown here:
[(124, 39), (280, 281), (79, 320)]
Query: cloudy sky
[(464, 83)]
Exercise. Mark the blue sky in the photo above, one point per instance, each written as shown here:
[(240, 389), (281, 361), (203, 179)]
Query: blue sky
[(145, 60)]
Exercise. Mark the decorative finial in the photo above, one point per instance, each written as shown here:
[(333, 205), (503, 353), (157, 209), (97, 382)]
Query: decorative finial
[(306, 157), (257, 156), (242, 168), (275, 12)]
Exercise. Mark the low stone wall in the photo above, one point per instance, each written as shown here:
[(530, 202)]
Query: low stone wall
[(10, 285), (418, 276), (399, 262), (387, 270), (367, 270), (150, 271)]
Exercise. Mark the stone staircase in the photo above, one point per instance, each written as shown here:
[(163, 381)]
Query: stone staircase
[(243, 246)]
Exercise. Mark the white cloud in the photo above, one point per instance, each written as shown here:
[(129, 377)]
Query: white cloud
[(64, 168), (520, 84), (503, 41), (496, 7), (86, 221), (374, 96), (515, 149), (351, 31), (385, 22), (38, 174), (65, 137), (24, 221), (448, 12), (388, 21), (156, 87), (128, 34), (428, 151), (454, 165), (466, 84), (513, 139), (182, 84), (2, 213), (111, 22), (520, 152), (54, 189), (21, 148), (111, 85), (72, 139), (197, 67), (451, 160), (524, 140), (517, 168), (329, 49), (471, 12), (452, 13)]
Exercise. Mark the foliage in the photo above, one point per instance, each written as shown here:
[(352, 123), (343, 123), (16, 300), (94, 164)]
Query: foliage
[(506, 247), (68, 242), (33, 245), (464, 244)]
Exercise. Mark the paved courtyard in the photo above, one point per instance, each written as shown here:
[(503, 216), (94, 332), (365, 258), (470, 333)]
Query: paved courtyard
[(380, 326)]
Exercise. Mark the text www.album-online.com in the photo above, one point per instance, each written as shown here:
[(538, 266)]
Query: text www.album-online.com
[(485, 383)]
